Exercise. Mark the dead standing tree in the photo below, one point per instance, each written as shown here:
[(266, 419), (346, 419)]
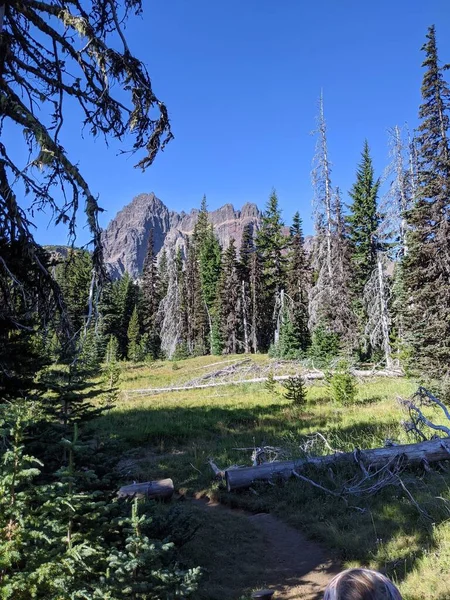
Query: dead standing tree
[(55, 56), (328, 298)]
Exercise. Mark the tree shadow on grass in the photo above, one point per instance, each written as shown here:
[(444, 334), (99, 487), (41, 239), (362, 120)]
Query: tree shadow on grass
[(389, 533)]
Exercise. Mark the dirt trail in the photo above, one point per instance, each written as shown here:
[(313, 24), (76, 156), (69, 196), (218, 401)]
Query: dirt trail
[(294, 567)]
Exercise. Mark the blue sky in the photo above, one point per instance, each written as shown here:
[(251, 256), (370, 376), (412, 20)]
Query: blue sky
[(241, 80)]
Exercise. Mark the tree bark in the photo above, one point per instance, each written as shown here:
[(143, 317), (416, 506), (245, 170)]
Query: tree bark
[(162, 489), (412, 454)]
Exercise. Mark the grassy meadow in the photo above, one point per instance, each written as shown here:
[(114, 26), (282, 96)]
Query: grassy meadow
[(174, 434)]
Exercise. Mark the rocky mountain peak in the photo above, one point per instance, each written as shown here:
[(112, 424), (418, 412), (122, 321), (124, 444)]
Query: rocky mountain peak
[(125, 239)]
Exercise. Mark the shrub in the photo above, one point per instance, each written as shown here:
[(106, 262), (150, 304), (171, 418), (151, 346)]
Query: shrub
[(270, 385), (295, 390), (342, 385), (324, 345)]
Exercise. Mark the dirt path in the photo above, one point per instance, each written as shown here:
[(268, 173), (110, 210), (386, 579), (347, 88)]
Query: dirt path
[(294, 567)]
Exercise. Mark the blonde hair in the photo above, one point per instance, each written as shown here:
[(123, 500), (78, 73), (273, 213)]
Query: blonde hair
[(361, 584)]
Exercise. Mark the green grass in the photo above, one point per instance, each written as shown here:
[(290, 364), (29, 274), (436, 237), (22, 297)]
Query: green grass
[(173, 435)]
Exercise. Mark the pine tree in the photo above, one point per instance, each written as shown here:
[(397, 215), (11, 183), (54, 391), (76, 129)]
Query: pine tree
[(229, 296), (149, 300), (245, 252), (298, 283), (74, 276), (426, 267), (363, 222), (363, 225), (208, 252), (116, 307), (256, 302), (271, 243), (133, 337), (196, 313)]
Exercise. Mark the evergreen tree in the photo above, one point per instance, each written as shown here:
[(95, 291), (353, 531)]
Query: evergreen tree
[(298, 283), (245, 252), (134, 337), (74, 277), (426, 266), (271, 243), (363, 222), (256, 302), (229, 294), (196, 310), (363, 227), (149, 299), (208, 253), (116, 307)]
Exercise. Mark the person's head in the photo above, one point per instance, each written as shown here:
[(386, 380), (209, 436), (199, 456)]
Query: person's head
[(361, 584)]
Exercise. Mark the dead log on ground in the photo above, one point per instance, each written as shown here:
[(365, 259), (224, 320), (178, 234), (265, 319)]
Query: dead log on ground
[(162, 489), (408, 454), (309, 376)]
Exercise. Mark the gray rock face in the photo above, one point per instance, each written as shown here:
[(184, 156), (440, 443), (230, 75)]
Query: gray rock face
[(125, 239)]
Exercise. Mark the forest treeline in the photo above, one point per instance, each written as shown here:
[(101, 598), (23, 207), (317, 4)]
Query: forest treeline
[(375, 285)]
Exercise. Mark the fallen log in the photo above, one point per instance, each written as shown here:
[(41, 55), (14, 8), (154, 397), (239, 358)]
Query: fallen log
[(409, 454), (309, 376), (162, 489)]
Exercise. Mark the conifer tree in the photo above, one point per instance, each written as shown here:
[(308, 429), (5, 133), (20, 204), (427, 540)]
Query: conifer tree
[(363, 225), (244, 271), (298, 283), (74, 277), (196, 314), (149, 300), (256, 302), (208, 252), (133, 336), (116, 307), (245, 252), (426, 267), (363, 222), (271, 243), (229, 294)]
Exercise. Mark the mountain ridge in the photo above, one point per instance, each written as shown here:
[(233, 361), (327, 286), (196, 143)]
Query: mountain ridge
[(125, 239)]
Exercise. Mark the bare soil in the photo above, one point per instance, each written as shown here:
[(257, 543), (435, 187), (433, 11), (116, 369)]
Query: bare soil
[(292, 565)]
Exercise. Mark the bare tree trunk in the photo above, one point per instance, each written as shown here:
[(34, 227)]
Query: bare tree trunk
[(412, 454), (163, 488), (327, 185)]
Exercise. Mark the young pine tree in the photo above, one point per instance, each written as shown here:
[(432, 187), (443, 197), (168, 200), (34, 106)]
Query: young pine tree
[(133, 334), (298, 283)]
